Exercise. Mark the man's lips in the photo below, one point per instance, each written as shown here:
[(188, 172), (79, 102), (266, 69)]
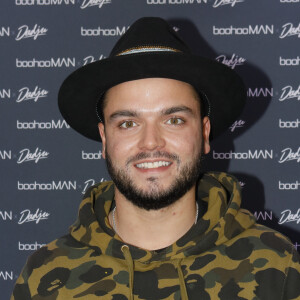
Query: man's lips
[(148, 165)]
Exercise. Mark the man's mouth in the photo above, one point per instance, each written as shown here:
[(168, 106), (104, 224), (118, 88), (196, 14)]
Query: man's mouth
[(152, 165)]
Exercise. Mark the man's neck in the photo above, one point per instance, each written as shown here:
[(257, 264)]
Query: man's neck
[(154, 229)]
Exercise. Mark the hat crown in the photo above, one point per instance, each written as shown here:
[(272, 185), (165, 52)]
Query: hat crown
[(149, 33)]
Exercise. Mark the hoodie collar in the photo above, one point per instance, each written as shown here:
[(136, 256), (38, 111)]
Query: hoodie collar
[(221, 222)]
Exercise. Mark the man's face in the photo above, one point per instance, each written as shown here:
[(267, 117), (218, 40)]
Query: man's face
[(153, 139)]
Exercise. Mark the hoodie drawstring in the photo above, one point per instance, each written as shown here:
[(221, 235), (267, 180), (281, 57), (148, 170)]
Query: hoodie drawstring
[(183, 292), (129, 261)]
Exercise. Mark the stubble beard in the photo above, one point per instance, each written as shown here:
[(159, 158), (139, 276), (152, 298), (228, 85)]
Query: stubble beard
[(154, 197)]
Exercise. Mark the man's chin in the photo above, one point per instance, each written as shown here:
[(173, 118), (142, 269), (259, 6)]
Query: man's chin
[(152, 187), (153, 197)]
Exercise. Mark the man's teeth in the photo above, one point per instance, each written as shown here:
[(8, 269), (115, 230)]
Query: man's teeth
[(152, 165)]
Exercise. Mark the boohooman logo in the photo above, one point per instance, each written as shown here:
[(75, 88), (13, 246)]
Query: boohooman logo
[(49, 63), (59, 124), (47, 186), (91, 155), (6, 275), (293, 186), (250, 154), (5, 93), (289, 124), (99, 31), (263, 215), (5, 31), (289, 61), (250, 30), (5, 154), (44, 2), (260, 92), (29, 247)]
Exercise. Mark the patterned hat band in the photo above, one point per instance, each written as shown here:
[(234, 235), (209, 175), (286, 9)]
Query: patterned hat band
[(143, 49)]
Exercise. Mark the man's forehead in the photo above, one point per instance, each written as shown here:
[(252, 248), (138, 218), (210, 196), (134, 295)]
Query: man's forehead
[(163, 93), (156, 81)]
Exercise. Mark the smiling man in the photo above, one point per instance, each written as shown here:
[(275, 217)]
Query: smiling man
[(161, 229), (152, 140)]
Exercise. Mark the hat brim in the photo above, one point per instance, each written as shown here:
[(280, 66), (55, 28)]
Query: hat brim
[(80, 92)]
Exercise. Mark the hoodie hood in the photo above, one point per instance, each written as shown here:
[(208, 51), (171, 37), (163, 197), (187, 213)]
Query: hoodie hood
[(222, 221)]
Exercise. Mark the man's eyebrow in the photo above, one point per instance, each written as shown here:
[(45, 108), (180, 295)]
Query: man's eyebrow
[(167, 111), (123, 113), (176, 109)]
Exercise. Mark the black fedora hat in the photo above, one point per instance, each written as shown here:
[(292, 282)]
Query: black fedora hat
[(151, 48)]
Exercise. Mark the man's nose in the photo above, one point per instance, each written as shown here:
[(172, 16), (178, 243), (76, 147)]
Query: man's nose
[(151, 138)]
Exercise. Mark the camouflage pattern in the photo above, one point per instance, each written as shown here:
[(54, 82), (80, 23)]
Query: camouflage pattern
[(226, 255)]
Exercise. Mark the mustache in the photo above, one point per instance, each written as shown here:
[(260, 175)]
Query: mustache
[(156, 154)]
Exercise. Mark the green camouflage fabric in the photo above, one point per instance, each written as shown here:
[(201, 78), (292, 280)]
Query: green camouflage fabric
[(226, 255)]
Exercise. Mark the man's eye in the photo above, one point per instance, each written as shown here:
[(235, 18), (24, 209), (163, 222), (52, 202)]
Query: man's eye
[(128, 124), (175, 121)]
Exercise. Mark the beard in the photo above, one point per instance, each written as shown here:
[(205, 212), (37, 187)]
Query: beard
[(155, 197)]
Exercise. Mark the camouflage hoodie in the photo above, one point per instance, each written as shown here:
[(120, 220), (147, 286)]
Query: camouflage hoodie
[(226, 255)]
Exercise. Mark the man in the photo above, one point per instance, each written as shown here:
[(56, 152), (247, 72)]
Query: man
[(160, 229)]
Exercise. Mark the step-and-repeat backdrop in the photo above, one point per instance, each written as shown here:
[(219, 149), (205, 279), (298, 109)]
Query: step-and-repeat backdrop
[(45, 167)]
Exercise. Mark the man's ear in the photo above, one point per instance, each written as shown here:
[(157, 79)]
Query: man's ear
[(103, 138), (205, 134)]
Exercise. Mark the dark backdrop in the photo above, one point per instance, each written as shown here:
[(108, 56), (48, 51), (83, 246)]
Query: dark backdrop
[(45, 166)]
